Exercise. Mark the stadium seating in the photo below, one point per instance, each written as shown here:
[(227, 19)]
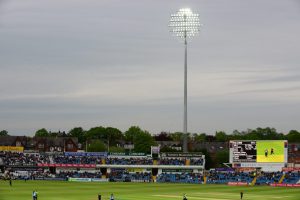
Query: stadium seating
[(22, 159), (172, 161), (63, 159), (180, 178), (268, 178), (128, 161), (225, 177), (121, 175), (291, 178), (30, 161)]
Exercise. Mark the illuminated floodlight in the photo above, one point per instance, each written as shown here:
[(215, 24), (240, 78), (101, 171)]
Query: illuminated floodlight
[(185, 24)]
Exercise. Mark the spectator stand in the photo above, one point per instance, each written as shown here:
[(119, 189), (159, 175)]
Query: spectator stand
[(180, 177), (129, 175), (291, 175), (229, 176), (180, 167)]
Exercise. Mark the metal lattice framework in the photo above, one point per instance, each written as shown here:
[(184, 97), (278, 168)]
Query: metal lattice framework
[(184, 24)]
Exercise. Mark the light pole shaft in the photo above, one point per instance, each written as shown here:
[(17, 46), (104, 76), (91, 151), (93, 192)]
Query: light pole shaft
[(185, 146)]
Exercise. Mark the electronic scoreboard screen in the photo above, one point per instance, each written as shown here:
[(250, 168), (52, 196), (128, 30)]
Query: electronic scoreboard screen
[(244, 151), (259, 151)]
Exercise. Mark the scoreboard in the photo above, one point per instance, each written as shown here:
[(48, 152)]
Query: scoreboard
[(258, 151), (244, 151)]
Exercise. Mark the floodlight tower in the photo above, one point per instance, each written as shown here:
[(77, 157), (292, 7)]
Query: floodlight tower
[(185, 24)]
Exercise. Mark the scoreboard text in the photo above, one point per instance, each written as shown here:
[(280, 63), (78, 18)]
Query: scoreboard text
[(244, 151)]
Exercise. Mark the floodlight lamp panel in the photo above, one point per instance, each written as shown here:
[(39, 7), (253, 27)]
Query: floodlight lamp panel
[(184, 24)]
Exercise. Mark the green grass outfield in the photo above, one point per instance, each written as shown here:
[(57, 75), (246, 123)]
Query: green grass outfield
[(56, 190)]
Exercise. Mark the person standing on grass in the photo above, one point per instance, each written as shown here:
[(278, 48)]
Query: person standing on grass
[(34, 195), (184, 197), (242, 194), (112, 197), (10, 182)]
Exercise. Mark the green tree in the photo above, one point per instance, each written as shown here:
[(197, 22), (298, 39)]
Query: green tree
[(113, 135), (199, 137), (42, 133), (293, 136), (221, 136), (96, 146), (116, 149), (142, 140), (236, 135), (97, 133), (132, 133), (79, 133), (3, 133), (177, 136), (168, 149)]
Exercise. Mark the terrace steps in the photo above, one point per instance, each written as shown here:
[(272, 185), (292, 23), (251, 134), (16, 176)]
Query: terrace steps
[(254, 180), (188, 162), (282, 178)]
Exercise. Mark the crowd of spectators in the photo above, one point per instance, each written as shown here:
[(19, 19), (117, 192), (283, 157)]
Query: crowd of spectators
[(63, 159), (268, 178), (291, 177), (216, 177), (78, 174), (172, 161), (23, 159), (121, 175), (128, 161), (196, 161), (26, 159), (180, 178), (38, 175)]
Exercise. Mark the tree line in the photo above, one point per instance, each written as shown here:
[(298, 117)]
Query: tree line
[(98, 139), (102, 138)]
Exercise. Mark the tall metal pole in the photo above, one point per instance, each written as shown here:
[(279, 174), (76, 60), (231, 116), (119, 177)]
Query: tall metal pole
[(185, 142), (185, 24)]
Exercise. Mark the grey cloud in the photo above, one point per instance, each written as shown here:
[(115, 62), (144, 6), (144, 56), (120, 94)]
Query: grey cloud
[(71, 63)]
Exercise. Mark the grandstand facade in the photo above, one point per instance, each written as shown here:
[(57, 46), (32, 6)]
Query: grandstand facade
[(173, 167)]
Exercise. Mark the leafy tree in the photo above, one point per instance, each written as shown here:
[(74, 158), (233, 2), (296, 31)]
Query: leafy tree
[(177, 136), (293, 136), (210, 138), (236, 135), (142, 140), (79, 133), (257, 134), (168, 149), (42, 133), (96, 146), (113, 135), (132, 133), (199, 137), (116, 149), (3, 133), (97, 133), (221, 136), (163, 136)]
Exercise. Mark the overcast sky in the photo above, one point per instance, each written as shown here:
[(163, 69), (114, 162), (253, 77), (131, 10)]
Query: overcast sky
[(69, 63)]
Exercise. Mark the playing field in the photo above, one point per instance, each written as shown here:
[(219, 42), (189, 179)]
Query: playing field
[(51, 190)]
